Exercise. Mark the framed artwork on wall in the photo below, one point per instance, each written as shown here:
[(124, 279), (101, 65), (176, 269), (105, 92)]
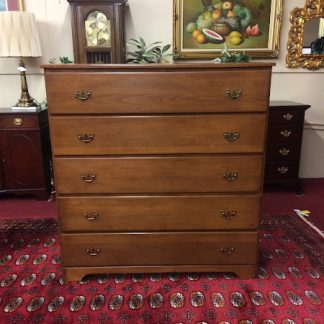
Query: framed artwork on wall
[(11, 5), (203, 28)]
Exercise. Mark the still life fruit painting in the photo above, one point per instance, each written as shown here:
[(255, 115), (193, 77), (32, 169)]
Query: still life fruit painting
[(240, 25)]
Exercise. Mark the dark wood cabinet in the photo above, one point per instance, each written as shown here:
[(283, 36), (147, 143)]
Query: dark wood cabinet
[(285, 131), (25, 153)]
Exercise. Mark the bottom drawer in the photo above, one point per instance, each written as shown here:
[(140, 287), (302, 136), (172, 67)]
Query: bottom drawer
[(148, 249)]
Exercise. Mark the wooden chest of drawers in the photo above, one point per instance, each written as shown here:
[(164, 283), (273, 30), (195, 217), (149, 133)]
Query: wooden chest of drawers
[(158, 168), (285, 131)]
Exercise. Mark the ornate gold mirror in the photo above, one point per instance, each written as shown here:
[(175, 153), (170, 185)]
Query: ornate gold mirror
[(306, 36)]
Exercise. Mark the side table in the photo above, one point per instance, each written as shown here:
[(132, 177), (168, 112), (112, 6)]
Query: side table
[(285, 131), (25, 153)]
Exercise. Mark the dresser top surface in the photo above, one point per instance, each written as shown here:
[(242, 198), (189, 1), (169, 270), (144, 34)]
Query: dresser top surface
[(159, 67)]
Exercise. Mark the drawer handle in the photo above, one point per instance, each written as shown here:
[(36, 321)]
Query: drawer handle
[(288, 116), (82, 95), (233, 94), (285, 133), (227, 250), (17, 121), (230, 176), (232, 136), (284, 151), (93, 252), (86, 138), (283, 170), (228, 214), (89, 177), (91, 216)]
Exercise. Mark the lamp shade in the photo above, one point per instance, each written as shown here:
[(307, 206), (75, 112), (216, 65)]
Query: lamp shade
[(19, 35)]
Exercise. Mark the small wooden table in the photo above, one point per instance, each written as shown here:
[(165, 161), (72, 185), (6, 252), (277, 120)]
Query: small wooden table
[(285, 131), (25, 152)]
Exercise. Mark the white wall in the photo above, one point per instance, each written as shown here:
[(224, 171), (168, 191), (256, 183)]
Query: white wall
[(152, 20)]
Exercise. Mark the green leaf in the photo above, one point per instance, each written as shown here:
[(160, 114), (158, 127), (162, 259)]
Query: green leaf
[(165, 48), (142, 41)]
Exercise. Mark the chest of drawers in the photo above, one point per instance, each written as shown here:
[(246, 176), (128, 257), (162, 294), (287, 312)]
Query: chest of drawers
[(158, 168), (285, 131)]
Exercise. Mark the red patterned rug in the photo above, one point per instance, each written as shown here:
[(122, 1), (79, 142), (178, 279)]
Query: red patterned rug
[(289, 288)]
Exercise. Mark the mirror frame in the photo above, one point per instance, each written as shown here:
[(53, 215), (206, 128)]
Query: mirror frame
[(295, 58)]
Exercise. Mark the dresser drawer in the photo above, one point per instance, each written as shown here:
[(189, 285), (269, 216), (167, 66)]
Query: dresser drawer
[(158, 174), (283, 151), (155, 92), (158, 213), (281, 170), (158, 134), (145, 249), (286, 116), (284, 133)]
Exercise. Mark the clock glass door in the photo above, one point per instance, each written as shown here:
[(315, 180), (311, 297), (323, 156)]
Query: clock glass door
[(98, 37)]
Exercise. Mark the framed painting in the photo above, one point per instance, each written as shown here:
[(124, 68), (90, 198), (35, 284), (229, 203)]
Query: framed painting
[(203, 28), (11, 5)]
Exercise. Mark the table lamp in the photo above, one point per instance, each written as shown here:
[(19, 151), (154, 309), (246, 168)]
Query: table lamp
[(20, 38)]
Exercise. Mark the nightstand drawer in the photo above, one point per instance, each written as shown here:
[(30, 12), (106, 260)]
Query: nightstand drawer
[(158, 213), (284, 133), (167, 92), (18, 121), (145, 249), (147, 134), (158, 174), (281, 170), (283, 151), (286, 116)]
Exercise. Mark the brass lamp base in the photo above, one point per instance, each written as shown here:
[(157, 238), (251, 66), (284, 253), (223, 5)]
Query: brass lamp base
[(25, 100)]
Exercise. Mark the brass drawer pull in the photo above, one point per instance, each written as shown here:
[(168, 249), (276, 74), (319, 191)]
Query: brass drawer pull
[(228, 214), (82, 95), (93, 252), (284, 151), (89, 177), (288, 116), (227, 250), (282, 170), (86, 138), (17, 121), (232, 136), (285, 133), (230, 176), (91, 216), (233, 94)]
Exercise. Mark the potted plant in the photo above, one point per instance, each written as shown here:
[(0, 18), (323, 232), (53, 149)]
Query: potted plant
[(146, 54)]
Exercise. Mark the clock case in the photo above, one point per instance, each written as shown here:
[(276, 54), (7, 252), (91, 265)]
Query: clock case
[(114, 11)]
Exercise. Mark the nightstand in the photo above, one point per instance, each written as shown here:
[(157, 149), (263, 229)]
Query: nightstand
[(25, 153), (285, 131)]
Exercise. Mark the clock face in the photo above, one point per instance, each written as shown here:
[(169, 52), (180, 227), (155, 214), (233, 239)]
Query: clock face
[(98, 30)]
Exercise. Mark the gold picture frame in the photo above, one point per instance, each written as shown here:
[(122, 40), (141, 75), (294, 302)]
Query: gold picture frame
[(313, 9), (257, 35), (11, 5)]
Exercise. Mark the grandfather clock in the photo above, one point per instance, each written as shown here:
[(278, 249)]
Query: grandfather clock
[(98, 31)]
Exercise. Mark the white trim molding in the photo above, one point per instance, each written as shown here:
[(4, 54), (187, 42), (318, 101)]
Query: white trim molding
[(314, 126)]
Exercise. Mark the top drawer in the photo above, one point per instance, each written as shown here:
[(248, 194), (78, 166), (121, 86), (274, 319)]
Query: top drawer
[(286, 116), (156, 92), (18, 121)]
